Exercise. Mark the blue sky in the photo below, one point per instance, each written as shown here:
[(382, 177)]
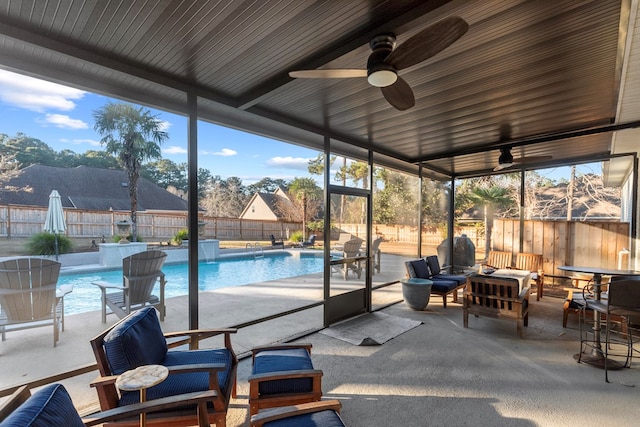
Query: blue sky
[(62, 117)]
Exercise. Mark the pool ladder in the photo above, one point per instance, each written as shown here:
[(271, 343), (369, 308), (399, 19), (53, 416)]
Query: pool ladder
[(258, 251)]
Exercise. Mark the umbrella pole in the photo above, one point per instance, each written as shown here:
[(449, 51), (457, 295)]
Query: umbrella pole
[(56, 244)]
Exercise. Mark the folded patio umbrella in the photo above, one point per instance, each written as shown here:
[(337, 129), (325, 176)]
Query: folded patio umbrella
[(55, 218)]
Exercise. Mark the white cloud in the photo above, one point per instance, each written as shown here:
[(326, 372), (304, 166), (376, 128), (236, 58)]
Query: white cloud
[(225, 152), (63, 121), (289, 162), (174, 149), (36, 95), (164, 126)]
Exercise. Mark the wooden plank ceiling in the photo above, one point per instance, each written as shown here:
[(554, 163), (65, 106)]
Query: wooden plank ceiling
[(549, 73)]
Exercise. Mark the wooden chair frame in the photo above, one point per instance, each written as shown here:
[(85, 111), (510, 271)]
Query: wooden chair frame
[(108, 393), (124, 412), (499, 259), (498, 298), (283, 413)]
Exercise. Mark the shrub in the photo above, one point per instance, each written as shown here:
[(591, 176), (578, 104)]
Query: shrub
[(116, 239), (45, 244), (296, 236), (182, 234)]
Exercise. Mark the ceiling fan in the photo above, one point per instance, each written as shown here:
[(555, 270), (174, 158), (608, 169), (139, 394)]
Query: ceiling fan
[(506, 159), (385, 61)]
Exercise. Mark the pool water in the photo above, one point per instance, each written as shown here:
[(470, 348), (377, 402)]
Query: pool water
[(211, 275)]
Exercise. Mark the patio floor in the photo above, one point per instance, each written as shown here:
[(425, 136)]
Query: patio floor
[(436, 374)]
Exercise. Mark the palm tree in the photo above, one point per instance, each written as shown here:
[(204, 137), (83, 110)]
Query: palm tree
[(306, 191), (133, 135), (490, 198)]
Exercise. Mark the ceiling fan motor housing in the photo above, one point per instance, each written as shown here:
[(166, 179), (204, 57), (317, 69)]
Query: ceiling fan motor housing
[(506, 158), (379, 73)]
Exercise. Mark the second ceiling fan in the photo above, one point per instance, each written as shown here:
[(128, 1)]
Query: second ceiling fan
[(385, 61), (506, 159)]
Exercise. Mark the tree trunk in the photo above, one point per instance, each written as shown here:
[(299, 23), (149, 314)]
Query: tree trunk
[(133, 196)]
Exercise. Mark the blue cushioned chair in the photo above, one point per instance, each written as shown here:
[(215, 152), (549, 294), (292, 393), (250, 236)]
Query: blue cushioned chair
[(283, 375), (436, 271), (441, 286), (52, 406), (138, 340), (325, 413)]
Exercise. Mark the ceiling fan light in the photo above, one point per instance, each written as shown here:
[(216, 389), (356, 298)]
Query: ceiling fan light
[(382, 78)]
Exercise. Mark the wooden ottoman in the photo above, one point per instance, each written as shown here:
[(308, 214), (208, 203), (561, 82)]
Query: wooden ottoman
[(283, 375)]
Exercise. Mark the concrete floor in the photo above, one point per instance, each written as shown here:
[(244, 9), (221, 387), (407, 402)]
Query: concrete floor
[(436, 374)]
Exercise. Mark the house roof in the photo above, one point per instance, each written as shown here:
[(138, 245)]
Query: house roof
[(561, 77), (84, 187)]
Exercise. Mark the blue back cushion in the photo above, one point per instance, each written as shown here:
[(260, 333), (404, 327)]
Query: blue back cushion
[(137, 340), (50, 406), (420, 268), (434, 264), (326, 418), (268, 361)]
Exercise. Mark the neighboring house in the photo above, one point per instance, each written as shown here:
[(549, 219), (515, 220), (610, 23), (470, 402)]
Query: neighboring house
[(265, 205), (88, 188)]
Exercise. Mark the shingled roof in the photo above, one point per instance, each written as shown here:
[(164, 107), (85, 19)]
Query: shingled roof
[(84, 187)]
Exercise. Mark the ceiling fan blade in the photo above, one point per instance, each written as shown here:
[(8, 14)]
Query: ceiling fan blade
[(428, 42), (342, 73), (500, 167), (532, 159), (399, 95)]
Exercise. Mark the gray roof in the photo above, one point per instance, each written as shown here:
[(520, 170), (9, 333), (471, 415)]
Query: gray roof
[(84, 187)]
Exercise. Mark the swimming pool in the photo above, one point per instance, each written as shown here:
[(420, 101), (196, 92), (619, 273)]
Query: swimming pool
[(211, 275)]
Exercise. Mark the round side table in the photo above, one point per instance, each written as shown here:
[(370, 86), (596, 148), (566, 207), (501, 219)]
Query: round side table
[(416, 292), (141, 379)]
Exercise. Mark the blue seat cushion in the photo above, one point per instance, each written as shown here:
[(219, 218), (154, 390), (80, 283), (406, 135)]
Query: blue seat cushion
[(460, 279), (188, 382), (294, 359), (443, 285), (325, 418), (137, 340), (50, 406), (420, 269)]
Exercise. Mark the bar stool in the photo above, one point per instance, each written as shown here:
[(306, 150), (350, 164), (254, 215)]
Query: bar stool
[(622, 303)]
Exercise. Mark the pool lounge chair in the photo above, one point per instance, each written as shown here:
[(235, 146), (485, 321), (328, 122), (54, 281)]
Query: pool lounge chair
[(140, 272), (29, 297), (309, 243), (276, 243)]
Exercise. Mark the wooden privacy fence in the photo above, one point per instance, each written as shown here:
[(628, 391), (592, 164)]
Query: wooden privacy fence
[(592, 243), (25, 221)]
